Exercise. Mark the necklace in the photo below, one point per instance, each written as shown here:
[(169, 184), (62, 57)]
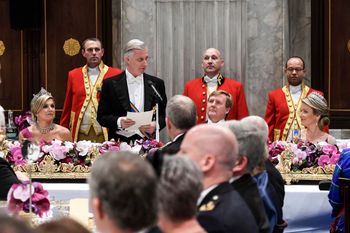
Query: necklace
[(46, 129)]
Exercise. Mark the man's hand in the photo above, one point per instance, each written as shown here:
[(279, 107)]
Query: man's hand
[(150, 128), (126, 122)]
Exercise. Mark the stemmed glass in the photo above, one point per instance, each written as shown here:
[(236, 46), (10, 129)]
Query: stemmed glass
[(31, 153)]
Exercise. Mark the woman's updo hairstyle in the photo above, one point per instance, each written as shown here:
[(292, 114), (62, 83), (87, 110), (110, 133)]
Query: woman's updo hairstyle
[(320, 108)]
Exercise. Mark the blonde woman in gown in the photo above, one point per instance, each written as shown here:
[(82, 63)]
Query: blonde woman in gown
[(43, 113), (314, 116)]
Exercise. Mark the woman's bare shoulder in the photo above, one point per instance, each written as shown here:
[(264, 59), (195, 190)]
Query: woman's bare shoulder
[(64, 133)]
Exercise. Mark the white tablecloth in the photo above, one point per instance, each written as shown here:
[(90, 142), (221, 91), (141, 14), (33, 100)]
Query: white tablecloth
[(306, 208)]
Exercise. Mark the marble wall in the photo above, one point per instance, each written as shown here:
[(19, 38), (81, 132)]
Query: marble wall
[(269, 32)]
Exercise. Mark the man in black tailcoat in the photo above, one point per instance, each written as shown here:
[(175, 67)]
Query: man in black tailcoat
[(131, 91)]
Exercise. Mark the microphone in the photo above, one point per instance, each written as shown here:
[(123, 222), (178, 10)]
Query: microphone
[(155, 90)]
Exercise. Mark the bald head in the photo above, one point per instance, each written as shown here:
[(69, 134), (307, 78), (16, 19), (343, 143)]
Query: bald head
[(215, 140)]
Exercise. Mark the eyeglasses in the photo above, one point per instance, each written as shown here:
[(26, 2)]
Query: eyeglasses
[(291, 69)]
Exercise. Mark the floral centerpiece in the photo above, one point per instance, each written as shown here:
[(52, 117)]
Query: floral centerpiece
[(23, 121), (148, 145), (61, 156), (68, 157), (304, 157), (18, 199)]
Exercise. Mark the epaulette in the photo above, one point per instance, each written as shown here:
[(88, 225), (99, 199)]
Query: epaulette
[(210, 205)]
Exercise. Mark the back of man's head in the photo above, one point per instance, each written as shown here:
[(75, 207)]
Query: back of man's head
[(252, 143), (181, 111), (126, 186), (214, 140), (10, 224), (261, 125), (179, 188)]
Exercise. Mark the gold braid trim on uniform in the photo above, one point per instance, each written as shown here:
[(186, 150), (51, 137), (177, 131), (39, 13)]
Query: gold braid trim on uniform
[(294, 117), (220, 80), (91, 95)]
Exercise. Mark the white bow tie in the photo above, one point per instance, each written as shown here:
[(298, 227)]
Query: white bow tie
[(134, 80), (210, 80)]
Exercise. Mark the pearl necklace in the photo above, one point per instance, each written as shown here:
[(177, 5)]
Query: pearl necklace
[(46, 129)]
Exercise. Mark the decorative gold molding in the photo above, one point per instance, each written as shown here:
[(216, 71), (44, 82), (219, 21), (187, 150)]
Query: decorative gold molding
[(2, 47), (71, 47), (296, 177)]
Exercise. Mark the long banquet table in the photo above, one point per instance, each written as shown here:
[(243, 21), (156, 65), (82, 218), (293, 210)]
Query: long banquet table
[(306, 208)]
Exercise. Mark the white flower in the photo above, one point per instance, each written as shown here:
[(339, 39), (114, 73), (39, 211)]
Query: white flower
[(22, 192), (125, 147), (33, 152), (84, 147), (69, 145), (136, 149)]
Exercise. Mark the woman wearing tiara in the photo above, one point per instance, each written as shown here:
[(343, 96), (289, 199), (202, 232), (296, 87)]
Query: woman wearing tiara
[(314, 117), (43, 113)]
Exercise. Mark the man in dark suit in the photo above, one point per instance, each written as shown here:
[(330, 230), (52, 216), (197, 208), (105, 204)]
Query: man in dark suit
[(221, 209), (123, 193), (274, 187), (131, 91), (7, 178), (181, 115), (248, 158)]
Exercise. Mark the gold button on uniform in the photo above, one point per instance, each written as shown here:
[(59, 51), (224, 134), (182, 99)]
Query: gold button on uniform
[(203, 109), (202, 117)]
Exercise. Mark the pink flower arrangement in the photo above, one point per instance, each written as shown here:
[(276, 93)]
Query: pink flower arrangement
[(23, 121), (15, 153), (148, 144), (109, 146), (305, 154), (19, 195)]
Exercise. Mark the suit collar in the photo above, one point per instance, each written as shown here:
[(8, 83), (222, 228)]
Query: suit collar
[(121, 87), (148, 93), (217, 191)]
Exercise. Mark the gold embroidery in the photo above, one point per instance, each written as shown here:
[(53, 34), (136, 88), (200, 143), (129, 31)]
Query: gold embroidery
[(220, 80), (294, 121), (276, 134), (91, 98), (207, 207)]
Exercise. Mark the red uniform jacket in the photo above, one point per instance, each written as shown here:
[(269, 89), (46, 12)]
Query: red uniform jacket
[(78, 95), (196, 89), (280, 114)]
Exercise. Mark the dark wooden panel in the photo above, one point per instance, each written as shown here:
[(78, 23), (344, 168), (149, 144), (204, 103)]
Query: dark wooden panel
[(330, 56), (339, 79), (67, 19), (11, 88)]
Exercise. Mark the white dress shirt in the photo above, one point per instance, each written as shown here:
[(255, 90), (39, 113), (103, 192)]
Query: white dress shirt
[(295, 91), (136, 89)]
